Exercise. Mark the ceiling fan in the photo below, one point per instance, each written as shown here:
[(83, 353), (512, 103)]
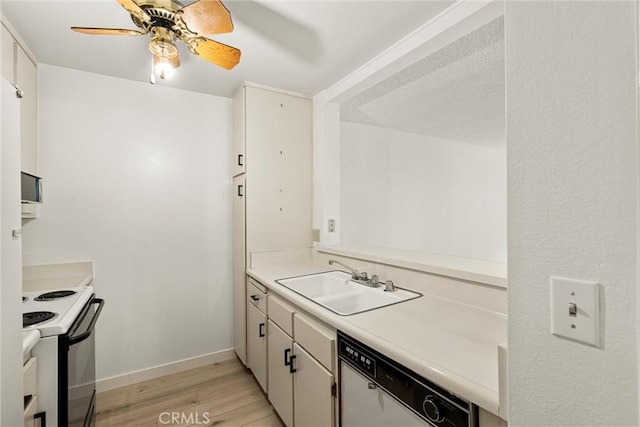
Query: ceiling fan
[(167, 21)]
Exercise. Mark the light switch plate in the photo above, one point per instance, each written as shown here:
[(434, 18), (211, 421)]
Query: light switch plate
[(575, 310)]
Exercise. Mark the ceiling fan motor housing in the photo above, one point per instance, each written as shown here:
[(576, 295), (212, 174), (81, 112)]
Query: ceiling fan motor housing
[(162, 43)]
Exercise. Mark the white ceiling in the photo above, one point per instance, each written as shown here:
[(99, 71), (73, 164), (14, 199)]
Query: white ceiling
[(456, 93), (303, 46)]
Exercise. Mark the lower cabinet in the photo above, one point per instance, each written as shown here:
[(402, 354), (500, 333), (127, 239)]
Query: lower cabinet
[(257, 344), (280, 382), (313, 390), (300, 387)]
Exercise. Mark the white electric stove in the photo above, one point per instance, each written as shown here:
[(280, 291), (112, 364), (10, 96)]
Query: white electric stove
[(65, 354), (53, 311)]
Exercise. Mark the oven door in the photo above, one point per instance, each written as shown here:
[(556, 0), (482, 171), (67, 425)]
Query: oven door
[(77, 373)]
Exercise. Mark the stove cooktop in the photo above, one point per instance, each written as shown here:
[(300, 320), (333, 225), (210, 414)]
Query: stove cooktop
[(65, 308), (35, 317), (48, 296)]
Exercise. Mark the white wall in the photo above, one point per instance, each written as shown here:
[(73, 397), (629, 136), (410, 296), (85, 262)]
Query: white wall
[(326, 168), (415, 192), (572, 167), (137, 178)]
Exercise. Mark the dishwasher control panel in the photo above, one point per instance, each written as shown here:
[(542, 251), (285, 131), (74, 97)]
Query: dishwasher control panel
[(435, 405), (359, 357)]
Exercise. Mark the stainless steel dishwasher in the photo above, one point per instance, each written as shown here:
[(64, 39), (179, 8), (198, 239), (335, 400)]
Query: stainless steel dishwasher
[(377, 391)]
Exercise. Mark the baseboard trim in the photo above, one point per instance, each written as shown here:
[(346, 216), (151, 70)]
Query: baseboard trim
[(161, 370)]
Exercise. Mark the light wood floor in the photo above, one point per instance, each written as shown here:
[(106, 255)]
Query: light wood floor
[(220, 394)]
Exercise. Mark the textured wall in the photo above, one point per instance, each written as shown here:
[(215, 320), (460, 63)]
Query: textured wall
[(572, 190), (137, 178)]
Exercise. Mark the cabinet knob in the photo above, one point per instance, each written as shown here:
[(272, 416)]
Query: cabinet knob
[(19, 92)]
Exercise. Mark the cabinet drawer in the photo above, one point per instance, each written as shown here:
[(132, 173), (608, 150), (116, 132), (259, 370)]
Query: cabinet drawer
[(29, 376), (257, 284), (257, 296), (316, 338), (281, 314)]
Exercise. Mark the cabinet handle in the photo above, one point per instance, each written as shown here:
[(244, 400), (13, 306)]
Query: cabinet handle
[(255, 297), (43, 418), (287, 361), (240, 156), (261, 330), (240, 194), (292, 368)]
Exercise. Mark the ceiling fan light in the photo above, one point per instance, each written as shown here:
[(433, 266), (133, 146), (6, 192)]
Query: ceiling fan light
[(164, 69)]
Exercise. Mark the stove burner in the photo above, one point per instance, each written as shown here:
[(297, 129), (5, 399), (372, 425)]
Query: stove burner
[(35, 317), (49, 296)]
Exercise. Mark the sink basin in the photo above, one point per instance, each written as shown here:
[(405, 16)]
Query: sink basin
[(336, 291)]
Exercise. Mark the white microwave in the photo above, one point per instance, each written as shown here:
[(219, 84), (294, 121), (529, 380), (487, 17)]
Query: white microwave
[(31, 188)]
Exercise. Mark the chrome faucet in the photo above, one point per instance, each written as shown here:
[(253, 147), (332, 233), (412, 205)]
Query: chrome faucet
[(355, 275), (389, 286)]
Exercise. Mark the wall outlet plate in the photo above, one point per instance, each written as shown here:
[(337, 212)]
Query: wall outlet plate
[(316, 235), (575, 310), (332, 225)]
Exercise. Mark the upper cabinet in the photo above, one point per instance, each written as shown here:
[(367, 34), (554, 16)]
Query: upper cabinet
[(27, 79), (273, 148), (21, 71), (238, 160), (8, 52)]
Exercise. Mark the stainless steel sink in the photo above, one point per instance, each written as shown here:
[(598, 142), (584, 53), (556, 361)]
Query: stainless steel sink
[(336, 291)]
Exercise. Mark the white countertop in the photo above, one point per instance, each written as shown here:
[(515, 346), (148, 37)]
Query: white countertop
[(452, 344), (56, 276)]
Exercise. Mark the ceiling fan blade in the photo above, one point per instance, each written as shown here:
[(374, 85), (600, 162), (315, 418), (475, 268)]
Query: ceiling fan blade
[(175, 61), (207, 17), (107, 31), (133, 8), (220, 54)]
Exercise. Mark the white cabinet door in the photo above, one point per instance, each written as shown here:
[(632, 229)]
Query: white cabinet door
[(11, 260), (279, 166), (314, 402), (280, 379), (239, 159), (365, 405), (7, 50), (257, 344), (239, 274), (27, 79)]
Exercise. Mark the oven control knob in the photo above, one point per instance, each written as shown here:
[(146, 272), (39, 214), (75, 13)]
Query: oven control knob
[(431, 409)]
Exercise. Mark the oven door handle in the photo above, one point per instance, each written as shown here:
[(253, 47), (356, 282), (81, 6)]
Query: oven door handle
[(86, 334)]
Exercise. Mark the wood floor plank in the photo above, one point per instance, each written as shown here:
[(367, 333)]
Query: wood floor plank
[(269, 420), (133, 391), (218, 388), (244, 415), (144, 412), (226, 393), (165, 390)]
